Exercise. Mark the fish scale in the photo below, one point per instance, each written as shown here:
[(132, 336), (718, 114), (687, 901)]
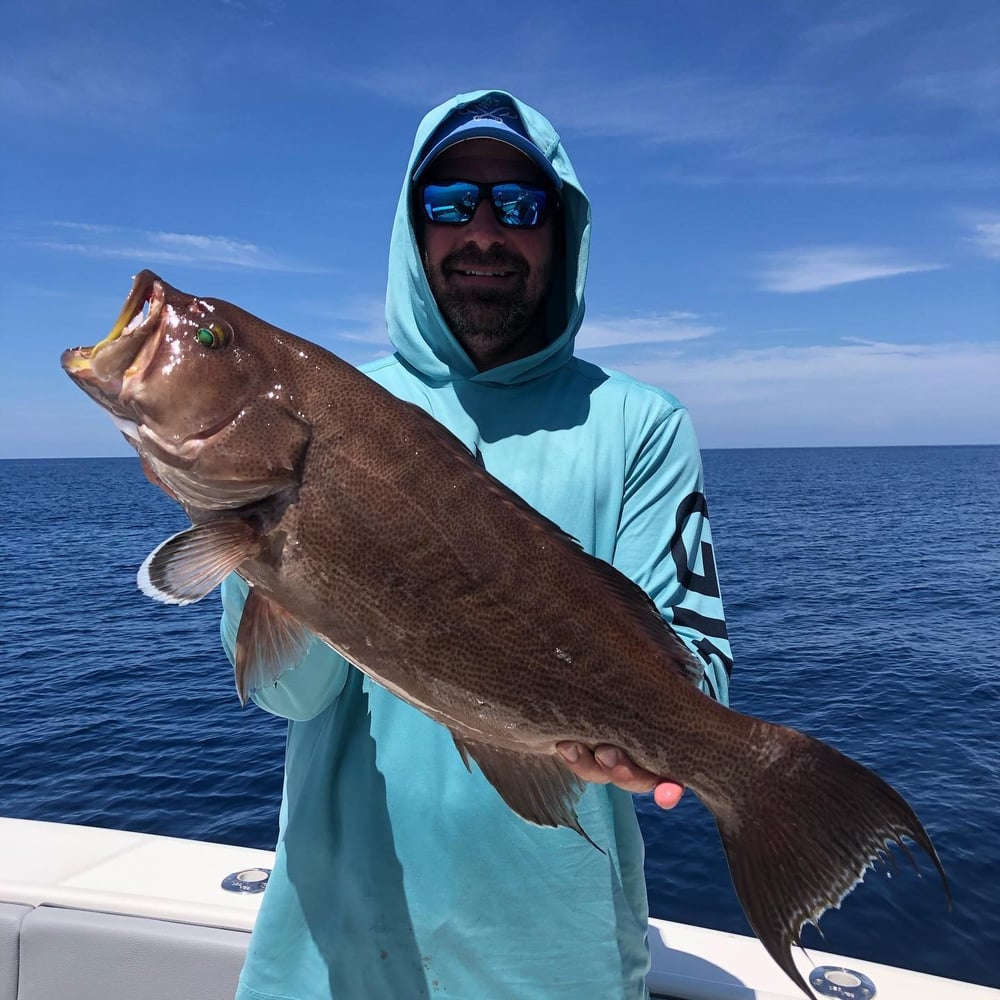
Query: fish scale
[(355, 517)]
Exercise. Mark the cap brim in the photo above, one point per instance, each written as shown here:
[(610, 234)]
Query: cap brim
[(482, 128)]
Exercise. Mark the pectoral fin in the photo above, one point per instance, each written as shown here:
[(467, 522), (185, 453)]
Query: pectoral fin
[(194, 562), (269, 642), (540, 789)]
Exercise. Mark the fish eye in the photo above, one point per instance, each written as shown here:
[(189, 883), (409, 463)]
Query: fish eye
[(213, 335)]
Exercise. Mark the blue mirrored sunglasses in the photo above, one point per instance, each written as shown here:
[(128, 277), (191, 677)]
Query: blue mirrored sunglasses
[(454, 203)]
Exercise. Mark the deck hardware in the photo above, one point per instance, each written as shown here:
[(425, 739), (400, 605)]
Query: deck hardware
[(248, 880), (845, 984)]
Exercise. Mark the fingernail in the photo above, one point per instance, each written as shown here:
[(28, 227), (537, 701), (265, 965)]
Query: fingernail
[(608, 757), (571, 751)]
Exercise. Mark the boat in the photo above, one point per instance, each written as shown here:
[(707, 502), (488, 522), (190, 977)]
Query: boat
[(88, 913)]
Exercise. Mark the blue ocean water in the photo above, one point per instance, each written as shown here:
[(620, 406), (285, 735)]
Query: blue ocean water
[(861, 587)]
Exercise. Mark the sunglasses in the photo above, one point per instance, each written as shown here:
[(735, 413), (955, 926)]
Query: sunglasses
[(520, 206)]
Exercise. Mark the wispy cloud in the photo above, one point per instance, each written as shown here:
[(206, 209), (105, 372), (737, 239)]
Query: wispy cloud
[(696, 109), (80, 79), (158, 247), (811, 269), (986, 235), (350, 325), (626, 332), (846, 393), (836, 33), (781, 110), (975, 90), (263, 12)]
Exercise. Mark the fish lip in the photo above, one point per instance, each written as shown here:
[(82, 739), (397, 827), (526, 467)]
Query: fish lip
[(103, 369), (79, 362), (111, 371)]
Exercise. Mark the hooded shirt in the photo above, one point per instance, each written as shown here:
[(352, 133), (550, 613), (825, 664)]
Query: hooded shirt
[(398, 873)]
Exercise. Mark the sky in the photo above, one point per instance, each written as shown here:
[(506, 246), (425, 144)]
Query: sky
[(796, 204)]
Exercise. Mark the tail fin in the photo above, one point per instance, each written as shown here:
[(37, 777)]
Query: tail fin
[(800, 834)]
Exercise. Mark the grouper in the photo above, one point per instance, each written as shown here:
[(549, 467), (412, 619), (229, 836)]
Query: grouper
[(357, 518)]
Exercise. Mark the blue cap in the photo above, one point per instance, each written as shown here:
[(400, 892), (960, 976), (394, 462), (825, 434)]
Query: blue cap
[(486, 119)]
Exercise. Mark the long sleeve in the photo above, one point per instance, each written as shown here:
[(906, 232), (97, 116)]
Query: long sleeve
[(300, 693), (664, 542)]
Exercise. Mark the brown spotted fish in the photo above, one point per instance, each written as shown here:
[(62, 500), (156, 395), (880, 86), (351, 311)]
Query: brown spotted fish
[(355, 517)]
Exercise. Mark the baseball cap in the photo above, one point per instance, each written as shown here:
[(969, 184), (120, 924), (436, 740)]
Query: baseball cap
[(493, 118)]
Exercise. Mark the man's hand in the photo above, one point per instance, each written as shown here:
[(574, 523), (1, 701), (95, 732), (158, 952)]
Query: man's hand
[(609, 764)]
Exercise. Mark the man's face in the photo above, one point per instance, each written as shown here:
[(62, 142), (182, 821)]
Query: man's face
[(489, 280)]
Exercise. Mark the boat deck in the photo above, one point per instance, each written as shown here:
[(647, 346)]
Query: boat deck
[(93, 914)]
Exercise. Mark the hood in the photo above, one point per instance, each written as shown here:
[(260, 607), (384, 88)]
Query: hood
[(416, 327)]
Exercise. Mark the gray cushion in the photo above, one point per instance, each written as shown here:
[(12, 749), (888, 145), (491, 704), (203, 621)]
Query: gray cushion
[(81, 955), (11, 915)]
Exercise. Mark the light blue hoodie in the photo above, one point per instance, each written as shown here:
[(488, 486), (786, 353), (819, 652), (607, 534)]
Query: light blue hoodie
[(398, 873)]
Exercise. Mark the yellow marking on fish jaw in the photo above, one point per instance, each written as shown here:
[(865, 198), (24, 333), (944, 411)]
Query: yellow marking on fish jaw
[(77, 364), (124, 318), (137, 297)]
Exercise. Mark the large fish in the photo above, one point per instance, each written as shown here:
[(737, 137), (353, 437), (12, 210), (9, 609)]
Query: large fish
[(355, 517)]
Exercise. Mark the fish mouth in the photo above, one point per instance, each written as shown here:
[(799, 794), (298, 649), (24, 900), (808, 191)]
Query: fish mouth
[(102, 370)]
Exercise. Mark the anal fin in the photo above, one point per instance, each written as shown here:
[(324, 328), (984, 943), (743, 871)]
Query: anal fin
[(269, 642), (539, 788)]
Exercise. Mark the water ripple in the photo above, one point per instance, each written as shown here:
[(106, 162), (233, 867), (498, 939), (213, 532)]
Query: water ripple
[(861, 587)]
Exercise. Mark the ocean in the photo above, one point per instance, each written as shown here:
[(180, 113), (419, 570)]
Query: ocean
[(862, 588)]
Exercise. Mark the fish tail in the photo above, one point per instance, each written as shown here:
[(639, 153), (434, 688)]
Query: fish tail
[(800, 831)]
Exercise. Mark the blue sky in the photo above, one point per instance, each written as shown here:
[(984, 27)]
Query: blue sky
[(796, 204)]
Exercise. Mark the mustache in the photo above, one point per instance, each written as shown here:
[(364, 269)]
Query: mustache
[(496, 258)]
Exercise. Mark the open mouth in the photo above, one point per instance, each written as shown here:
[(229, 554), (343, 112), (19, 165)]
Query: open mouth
[(115, 357), (103, 370), (491, 265)]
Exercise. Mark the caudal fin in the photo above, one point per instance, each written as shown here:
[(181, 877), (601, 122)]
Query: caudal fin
[(800, 833)]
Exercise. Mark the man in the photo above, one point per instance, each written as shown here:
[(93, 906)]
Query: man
[(399, 874)]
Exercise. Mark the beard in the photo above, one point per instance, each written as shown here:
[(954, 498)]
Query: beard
[(487, 315)]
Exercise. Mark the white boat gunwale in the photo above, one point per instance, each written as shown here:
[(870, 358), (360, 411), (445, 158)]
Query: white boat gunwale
[(83, 879)]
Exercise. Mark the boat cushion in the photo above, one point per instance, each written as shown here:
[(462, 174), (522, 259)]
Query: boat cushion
[(85, 955), (11, 916)]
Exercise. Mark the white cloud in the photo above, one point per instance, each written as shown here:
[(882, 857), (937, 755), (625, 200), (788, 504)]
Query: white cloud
[(811, 269), (671, 327), (848, 393), (78, 66), (827, 34), (154, 246), (352, 327), (976, 90), (986, 235), (674, 109), (263, 12)]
